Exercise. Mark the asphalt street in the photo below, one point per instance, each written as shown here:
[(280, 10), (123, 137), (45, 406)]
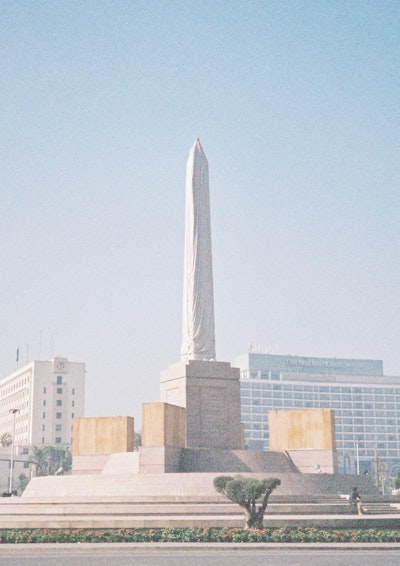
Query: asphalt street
[(90, 555)]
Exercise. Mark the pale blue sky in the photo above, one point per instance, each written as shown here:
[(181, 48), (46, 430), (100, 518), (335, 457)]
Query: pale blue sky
[(297, 108)]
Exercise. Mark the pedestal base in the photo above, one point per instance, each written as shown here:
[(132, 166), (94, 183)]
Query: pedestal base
[(210, 392)]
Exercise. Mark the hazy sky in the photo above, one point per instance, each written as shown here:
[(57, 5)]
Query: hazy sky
[(297, 106)]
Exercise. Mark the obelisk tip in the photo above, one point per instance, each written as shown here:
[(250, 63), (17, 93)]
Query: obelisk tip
[(197, 147)]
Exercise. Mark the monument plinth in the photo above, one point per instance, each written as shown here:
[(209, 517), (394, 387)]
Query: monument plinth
[(210, 392)]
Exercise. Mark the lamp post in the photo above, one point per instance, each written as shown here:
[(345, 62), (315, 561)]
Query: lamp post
[(358, 456), (376, 466), (14, 412)]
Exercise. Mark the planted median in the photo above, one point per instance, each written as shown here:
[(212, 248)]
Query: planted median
[(267, 535)]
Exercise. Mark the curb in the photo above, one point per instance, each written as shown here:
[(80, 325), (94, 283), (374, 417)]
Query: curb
[(23, 549)]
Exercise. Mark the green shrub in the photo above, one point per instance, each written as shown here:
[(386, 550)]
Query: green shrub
[(284, 534)]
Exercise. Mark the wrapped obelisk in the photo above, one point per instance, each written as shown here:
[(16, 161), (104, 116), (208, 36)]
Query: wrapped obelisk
[(207, 390), (198, 332)]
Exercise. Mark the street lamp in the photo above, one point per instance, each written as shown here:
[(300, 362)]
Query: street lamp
[(358, 455), (14, 412)]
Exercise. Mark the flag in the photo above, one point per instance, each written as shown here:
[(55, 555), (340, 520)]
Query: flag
[(18, 354)]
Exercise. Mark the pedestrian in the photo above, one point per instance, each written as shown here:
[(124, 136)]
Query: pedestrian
[(355, 500)]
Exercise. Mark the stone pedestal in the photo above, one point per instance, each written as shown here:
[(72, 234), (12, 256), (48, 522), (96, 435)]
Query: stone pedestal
[(163, 425), (210, 392), (159, 460), (102, 435), (299, 429)]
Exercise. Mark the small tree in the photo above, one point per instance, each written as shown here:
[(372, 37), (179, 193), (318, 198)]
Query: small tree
[(137, 440), (6, 439), (249, 493), (49, 459), (23, 482)]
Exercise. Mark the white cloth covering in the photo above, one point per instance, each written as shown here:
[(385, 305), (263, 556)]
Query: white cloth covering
[(198, 333)]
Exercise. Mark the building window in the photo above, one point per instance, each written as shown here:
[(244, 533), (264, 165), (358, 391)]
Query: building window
[(42, 439), (58, 428), (44, 402), (25, 450), (73, 415), (59, 379), (58, 440), (43, 428), (73, 403), (26, 464), (59, 402), (44, 415), (44, 390), (58, 415), (73, 391), (59, 390)]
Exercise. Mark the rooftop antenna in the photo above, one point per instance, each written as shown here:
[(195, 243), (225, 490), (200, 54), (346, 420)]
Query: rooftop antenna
[(40, 344)]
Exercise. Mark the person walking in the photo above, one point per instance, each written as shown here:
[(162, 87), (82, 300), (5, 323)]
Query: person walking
[(355, 500)]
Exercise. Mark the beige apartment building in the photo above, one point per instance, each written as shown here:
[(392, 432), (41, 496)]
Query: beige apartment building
[(40, 400)]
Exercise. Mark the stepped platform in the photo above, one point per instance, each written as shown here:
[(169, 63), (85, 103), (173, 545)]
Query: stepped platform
[(162, 512), (108, 495), (106, 500)]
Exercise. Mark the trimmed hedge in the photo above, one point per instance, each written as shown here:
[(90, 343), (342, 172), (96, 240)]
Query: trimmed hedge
[(299, 534)]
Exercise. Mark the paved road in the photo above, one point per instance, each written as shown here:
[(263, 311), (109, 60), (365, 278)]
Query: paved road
[(125, 556)]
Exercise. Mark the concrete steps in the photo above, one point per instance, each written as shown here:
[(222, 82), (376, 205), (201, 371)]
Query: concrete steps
[(162, 511), (103, 518), (106, 500), (124, 509), (376, 508), (191, 511)]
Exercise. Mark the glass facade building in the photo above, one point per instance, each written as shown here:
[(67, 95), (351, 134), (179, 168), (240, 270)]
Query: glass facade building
[(366, 404)]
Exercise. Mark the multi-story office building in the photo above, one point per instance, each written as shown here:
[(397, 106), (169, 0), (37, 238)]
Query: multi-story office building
[(366, 404), (39, 401)]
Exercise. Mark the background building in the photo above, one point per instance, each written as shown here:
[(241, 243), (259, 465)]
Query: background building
[(48, 395), (366, 405), (38, 403)]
